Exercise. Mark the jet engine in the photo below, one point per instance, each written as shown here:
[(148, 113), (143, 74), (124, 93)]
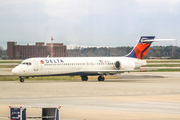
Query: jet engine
[(117, 65), (126, 65)]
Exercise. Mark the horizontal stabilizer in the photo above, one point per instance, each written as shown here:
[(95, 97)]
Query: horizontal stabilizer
[(159, 40)]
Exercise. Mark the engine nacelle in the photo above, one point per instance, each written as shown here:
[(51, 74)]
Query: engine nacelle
[(126, 65), (117, 65)]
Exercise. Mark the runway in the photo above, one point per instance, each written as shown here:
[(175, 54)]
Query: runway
[(142, 95)]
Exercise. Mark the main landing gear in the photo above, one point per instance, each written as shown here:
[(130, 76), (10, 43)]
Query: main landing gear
[(85, 78), (101, 78), (21, 79)]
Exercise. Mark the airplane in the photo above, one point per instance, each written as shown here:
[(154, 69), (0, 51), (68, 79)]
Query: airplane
[(85, 66)]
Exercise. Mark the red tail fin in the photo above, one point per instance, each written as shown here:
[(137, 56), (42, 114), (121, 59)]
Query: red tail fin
[(142, 47)]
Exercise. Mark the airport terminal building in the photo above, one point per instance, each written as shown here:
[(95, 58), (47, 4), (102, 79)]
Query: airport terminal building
[(15, 51)]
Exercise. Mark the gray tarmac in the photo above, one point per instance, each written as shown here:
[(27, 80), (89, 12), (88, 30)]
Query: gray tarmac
[(136, 95)]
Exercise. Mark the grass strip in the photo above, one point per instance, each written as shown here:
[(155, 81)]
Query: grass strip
[(163, 65), (13, 61), (7, 66), (9, 78), (164, 70), (164, 61), (16, 78)]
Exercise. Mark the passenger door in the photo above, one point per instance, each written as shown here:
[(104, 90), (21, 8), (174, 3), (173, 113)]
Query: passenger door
[(35, 65)]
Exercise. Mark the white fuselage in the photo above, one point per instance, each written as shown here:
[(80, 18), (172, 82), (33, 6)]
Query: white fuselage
[(71, 66)]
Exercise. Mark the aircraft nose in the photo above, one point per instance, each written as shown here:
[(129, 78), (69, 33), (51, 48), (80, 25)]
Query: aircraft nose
[(14, 71)]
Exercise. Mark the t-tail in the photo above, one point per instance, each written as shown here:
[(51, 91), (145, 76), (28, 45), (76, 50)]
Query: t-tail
[(142, 47)]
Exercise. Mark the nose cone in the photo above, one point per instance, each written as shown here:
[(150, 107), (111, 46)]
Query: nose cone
[(14, 71)]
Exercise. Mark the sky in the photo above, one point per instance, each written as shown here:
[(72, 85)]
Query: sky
[(89, 22)]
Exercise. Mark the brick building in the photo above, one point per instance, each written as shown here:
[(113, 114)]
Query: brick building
[(15, 51)]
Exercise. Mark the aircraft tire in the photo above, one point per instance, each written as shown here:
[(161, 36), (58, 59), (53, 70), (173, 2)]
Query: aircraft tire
[(101, 78), (84, 78), (21, 79)]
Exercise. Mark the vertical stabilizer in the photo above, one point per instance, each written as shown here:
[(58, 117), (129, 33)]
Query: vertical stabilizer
[(140, 50)]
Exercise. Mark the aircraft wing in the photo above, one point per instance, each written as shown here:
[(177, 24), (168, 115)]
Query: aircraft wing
[(102, 72)]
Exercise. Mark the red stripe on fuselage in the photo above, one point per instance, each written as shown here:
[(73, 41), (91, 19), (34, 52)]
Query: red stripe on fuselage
[(139, 49)]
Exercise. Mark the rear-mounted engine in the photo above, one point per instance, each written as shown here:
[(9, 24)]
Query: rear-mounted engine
[(117, 65)]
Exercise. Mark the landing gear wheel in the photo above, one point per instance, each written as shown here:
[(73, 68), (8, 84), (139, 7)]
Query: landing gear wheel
[(101, 78), (21, 79), (84, 78)]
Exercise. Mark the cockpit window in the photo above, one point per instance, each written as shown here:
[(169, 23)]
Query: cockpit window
[(25, 63)]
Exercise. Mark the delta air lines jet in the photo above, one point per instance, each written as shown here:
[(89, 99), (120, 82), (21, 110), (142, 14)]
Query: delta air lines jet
[(85, 66)]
